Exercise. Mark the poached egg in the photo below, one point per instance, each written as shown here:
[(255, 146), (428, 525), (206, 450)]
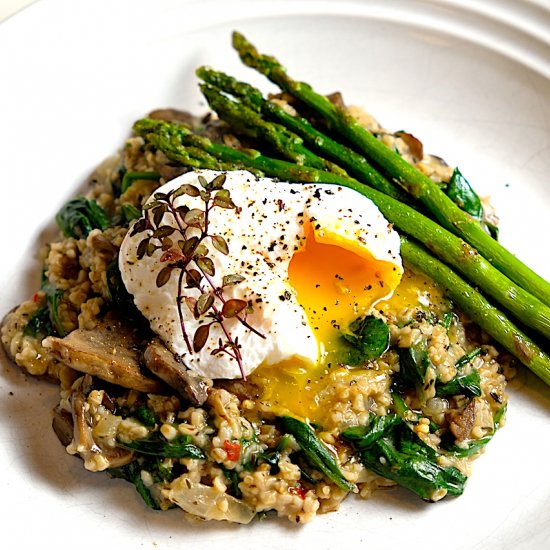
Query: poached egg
[(310, 259)]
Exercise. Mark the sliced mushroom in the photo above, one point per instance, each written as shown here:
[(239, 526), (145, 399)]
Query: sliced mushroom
[(337, 99), (461, 423), (243, 389), (416, 149), (82, 442), (110, 351), (187, 383), (62, 424)]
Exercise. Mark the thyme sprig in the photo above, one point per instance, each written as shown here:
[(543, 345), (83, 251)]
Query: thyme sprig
[(185, 253)]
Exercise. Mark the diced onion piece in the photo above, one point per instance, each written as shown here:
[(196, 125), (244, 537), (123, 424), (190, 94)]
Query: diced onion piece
[(207, 502)]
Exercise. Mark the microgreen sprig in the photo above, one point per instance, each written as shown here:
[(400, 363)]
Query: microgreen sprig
[(185, 252)]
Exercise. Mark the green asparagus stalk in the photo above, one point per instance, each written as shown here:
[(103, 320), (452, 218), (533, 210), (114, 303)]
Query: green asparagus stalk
[(416, 183), (448, 247), (248, 122), (175, 141), (354, 163), (473, 304)]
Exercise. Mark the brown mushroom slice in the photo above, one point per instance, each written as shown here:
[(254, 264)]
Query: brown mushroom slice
[(187, 383), (243, 389), (110, 352), (416, 149), (62, 424), (461, 423), (95, 458)]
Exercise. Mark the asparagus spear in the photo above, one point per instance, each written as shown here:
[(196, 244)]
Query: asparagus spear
[(171, 139), (416, 183), (248, 122), (181, 145), (473, 304), (357, 165)]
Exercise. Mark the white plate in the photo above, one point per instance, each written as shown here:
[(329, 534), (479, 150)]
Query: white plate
[(472, 79)]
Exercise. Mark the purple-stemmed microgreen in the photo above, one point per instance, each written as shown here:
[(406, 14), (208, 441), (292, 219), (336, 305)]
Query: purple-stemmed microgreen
[(185, 252)]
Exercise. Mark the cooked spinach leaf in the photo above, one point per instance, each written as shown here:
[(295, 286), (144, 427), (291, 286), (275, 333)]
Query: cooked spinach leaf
[(369, 339), (146, 416), (79, 216), (46, 321), (388, 447), (130, 177), (157, 445), (413, 365), (315, 451), (40, 323), (272, 456), (461, 192), (466, 383), (132, 472), (120, 297), (130, 212)]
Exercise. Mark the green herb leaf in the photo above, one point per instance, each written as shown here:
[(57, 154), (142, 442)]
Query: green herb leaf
[(233, 279), (186, 189), (194, 218), (218, 182), (163, 231), (164, 275), (223, 200), (204, 303), (193, 278), (200, 337), (206, 265), (142, 248), (233, 307), (220, 244), (158, 213)]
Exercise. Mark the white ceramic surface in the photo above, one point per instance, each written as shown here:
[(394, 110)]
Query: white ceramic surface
[(471, 79)]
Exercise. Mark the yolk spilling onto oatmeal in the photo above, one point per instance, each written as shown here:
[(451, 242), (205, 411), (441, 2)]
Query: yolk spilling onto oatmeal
[(336, 283), (415, 292)]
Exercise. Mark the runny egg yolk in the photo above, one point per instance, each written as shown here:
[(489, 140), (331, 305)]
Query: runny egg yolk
[(336, 281)]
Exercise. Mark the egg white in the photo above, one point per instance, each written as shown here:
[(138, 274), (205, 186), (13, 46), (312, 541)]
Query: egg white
[(263, 234)]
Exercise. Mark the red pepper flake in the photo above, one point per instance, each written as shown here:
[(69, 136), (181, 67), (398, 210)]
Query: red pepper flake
[(298, 491), (36, 297), (233, 450)]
